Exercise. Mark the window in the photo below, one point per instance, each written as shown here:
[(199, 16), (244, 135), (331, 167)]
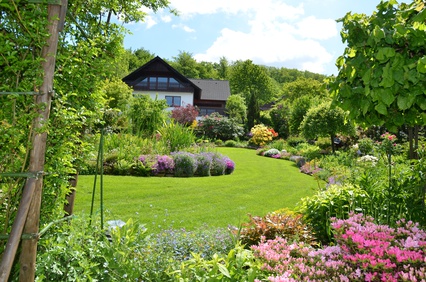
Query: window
[(173, 101), (152, 83), (173, 83), (162, 83), (143, 83)]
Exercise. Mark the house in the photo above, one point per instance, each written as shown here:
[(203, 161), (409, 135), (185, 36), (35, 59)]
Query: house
[(158, 79)]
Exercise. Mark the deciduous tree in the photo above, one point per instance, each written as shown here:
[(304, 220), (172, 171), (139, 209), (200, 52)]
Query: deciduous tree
[(382, 72), (326, 121), (253, 83)]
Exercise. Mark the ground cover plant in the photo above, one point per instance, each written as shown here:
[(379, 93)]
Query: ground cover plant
[(257, 186)]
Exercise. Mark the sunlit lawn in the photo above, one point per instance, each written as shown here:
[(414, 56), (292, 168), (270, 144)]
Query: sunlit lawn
[(258, 185)]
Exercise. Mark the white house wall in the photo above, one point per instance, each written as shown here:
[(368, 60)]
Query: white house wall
[(185, 97)]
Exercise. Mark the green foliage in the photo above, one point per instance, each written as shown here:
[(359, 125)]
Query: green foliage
[(280, 116), (117, 93), (284, 224), (279, 144), (236, 108), (323, 121), (175, 136), (384, 64), (239, 265), (138, 58), (299, 108), (79, 251), (335, 201), (253, 83), (230, 143), (366, 146), (293, 141), (324, 143), (185, 64), (216, 126), (146, 115), (303, 87), (310, 152)]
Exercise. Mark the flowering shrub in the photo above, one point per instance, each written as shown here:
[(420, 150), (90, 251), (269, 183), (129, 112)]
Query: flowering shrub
[(216, 126), (185, 164), (230, 165), (274, 153), (310, 168), (335, 201), (368, 160), (277, 224), (364, 251), (164, 164), (204, 161), (218, 165), (261, 135), (388, 143)]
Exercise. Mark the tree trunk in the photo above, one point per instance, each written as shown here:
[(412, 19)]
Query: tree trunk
[(38, 152), (413, 140), (69, 205), (332, 143)]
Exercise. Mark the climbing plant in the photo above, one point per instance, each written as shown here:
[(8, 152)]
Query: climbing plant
[(89, 52)]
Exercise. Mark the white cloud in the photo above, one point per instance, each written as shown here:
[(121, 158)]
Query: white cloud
[(278, 34), (166, 18), (321, 29), (149, 21), (188, 8), (183, 27)]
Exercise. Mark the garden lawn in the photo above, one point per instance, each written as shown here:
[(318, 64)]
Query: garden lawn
[(257, 186)]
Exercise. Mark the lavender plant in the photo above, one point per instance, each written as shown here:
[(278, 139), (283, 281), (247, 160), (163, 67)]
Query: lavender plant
[(164, 164), (185, 164), (204, 161)]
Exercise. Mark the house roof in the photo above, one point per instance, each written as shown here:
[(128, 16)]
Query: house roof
[(207, 89), (159, 67), (213, 89)]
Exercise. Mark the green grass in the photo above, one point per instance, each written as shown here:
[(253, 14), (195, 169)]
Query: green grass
[(257, 186)]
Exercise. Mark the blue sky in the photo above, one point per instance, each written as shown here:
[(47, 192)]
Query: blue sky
[(282, 33)]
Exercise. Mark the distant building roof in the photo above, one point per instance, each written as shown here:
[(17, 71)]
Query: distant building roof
[(212, 89)]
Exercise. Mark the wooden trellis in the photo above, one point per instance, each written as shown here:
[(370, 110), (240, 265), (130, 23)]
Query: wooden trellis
[(28, 215)]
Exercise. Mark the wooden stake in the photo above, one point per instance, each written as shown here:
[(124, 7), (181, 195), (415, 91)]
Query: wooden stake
[(38, 152)]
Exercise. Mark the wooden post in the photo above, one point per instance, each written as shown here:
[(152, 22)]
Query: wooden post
[(15, 235), (38, 152)]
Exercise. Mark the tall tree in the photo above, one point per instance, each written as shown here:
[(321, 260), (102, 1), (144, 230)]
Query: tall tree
[(253, 83), (222, 68), (138, 58), (326, 121), (382, 73), (186, 65), (236, 108), (302, 87)]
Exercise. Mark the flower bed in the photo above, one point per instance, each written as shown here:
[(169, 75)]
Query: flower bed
[(184, 164)]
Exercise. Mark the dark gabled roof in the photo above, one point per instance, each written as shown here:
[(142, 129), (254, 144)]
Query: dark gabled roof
[(213, 89), (158, 67)]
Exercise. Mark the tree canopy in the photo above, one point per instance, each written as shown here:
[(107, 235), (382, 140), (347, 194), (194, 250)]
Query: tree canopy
[(382, 73), (326, 121), (254, 84)]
